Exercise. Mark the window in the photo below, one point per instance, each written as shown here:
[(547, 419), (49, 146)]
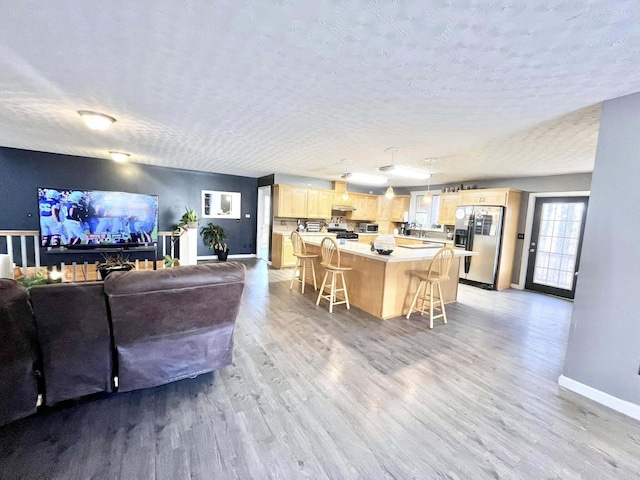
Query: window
[(425, 214), (220, 204)]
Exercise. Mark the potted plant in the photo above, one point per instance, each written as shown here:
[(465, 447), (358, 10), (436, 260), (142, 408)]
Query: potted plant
[(113, 263), (188, 220), (170, 261), (215, 238)]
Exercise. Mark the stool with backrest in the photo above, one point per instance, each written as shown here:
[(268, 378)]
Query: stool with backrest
[(302, 258), (331, 263), (431, 279)]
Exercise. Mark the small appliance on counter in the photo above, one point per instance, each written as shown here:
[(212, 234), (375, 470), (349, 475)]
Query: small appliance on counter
[(368, 227), (404, 228), (313, 227)]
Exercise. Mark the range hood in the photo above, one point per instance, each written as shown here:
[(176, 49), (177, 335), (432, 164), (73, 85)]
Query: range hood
[(342, 208)]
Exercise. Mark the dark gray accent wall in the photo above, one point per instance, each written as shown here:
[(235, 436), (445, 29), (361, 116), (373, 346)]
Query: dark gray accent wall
[(23, 171), (603, 350)]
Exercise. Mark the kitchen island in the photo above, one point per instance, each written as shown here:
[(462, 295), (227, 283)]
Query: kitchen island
[(384, 285)]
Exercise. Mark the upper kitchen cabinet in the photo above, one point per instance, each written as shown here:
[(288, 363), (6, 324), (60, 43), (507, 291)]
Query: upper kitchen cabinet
[(492, 196), (366, 207), (384, 209), (319, 203), (338, 200), (290, 201), (447, 211), (399, 205)]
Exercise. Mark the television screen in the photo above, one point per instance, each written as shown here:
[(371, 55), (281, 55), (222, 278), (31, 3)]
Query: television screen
[(77, 218)]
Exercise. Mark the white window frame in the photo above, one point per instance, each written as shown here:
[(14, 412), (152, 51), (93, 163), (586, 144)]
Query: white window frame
[(433, 211)]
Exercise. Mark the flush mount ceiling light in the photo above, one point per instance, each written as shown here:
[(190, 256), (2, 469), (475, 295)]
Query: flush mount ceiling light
[(400, 171), (119, 156), (95, 120), (365, 178)]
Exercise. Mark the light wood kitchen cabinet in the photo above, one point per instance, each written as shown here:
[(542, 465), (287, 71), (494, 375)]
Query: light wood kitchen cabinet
[(338, 200), (384, 209), (492, 196), (290, 201), (319, 203), (399, 205), (282, 252), (447, 211), (408, 241), (366, 207)]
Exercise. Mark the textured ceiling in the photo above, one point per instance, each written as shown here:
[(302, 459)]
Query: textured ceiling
[(253, 88)]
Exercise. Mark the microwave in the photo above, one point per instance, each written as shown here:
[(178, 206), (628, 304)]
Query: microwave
[(369, 228)]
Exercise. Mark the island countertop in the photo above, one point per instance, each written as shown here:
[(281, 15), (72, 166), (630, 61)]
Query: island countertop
[(399, 254)]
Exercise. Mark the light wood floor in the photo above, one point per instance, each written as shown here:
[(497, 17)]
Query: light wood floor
[(342, 396)]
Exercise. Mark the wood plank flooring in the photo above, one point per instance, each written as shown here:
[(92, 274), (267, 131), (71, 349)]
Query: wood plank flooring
[(346, 396)]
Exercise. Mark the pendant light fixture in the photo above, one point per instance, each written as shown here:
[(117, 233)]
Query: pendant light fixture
[(427, 196), (345, 195), (390, 193)]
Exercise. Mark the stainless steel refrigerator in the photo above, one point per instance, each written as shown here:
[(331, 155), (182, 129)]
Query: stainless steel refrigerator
[(479, 229)]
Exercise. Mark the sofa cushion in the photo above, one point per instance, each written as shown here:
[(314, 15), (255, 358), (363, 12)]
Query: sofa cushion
[(18, 353), (75, 339), (173, 323)]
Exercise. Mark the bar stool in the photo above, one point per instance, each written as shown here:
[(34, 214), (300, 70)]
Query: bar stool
[(331, 263), (431, 279), (302, 258)]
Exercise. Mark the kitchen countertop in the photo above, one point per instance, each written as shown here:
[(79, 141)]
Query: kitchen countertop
[(306, 234), (400, 254), (426, 239)]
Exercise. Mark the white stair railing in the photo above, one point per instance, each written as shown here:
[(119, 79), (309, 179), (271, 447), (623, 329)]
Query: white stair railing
[(20, 257)]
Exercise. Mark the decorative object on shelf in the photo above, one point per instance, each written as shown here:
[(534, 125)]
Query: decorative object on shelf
[(384, 244), (96, 120), (114, 262), (215, 238)]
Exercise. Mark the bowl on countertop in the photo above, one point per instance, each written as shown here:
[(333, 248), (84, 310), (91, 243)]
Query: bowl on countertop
[(383, 252)]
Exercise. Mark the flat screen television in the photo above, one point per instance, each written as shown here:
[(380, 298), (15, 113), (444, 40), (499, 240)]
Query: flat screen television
[(94, 218)]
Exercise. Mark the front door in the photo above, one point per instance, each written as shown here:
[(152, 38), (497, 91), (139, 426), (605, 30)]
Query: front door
[(556, 240)]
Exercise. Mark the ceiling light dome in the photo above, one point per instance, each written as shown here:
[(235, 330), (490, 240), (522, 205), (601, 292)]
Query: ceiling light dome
[(96, 120), (119, 157)]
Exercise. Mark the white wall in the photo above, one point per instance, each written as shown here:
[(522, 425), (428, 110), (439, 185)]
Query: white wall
[(603, 350)]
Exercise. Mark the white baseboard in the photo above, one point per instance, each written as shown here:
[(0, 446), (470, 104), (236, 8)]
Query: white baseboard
[(630, 409), (517, 286), (239, 255)]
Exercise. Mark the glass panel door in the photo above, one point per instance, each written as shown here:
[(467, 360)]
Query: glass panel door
[(556, 239)]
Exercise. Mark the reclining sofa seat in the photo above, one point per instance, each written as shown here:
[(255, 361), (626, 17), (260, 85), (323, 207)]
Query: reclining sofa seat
[(173, 323), (19, 356), (75, 339)]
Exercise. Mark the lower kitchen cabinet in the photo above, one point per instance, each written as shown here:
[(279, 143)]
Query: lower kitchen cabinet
[(282, 251)]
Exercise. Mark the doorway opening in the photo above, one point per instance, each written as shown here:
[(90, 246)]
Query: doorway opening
[(555, 245), (263, 238)]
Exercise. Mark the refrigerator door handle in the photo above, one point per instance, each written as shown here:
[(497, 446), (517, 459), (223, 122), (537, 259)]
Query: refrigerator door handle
[(469, 246)]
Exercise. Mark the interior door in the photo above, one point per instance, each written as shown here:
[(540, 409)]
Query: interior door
[(556, 241)]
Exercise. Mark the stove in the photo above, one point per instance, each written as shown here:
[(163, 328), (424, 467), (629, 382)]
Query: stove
[(340, 229), (349, 235)]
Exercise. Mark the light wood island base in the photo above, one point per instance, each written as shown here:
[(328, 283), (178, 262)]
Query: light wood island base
[(385, 289)]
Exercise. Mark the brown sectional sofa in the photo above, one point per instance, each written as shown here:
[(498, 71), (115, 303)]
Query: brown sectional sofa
[(146, 328)]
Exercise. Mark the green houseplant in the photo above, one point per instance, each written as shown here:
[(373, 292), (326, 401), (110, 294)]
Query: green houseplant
[(116, 262), (188, 220), (215, 238)]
